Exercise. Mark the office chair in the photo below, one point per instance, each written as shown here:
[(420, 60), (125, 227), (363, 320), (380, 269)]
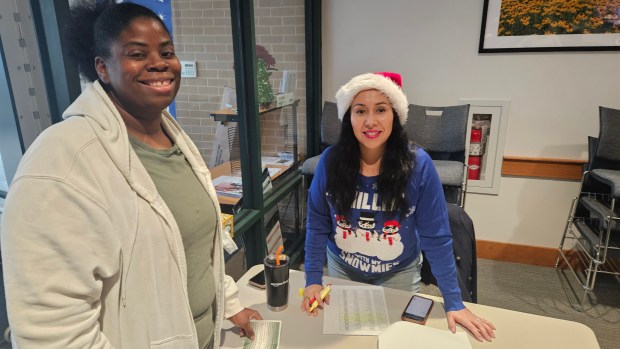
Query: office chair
[(464, 248), (442, 131), (330, 133), (593, 225)]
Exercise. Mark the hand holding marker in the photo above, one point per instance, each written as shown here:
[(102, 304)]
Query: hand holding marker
[(313, 302)]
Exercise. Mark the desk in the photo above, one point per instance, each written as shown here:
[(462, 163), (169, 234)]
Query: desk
[(514, 329)]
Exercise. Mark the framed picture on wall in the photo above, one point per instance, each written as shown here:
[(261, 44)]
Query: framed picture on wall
[(486, 133), (543, 25)]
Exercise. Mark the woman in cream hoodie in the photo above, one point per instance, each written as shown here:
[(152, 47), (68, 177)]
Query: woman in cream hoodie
[(111, 234)]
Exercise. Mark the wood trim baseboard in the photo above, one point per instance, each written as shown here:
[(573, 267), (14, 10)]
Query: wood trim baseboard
[(519, 166), (524, 254)]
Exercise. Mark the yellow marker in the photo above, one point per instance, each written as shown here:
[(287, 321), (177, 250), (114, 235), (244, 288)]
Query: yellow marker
[(324, 294)]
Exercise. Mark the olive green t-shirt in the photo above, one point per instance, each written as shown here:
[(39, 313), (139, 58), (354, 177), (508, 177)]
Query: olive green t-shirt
[(194, 213)]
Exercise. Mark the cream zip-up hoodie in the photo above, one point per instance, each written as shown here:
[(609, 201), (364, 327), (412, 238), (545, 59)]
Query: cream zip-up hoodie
[(92, 256)]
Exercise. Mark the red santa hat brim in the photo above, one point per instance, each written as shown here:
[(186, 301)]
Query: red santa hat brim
[(392, 224)]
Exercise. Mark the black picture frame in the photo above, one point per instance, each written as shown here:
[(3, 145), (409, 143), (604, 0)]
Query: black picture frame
[(491, 41)]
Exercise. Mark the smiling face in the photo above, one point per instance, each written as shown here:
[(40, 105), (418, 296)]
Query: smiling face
[(372, 118), (143, 72)]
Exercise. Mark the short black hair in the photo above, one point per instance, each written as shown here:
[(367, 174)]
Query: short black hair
[(94, 27)]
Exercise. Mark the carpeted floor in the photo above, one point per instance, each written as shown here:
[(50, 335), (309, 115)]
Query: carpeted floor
[(538, 290)]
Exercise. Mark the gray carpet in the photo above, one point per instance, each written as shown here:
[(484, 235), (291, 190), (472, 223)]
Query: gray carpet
[(538, 290)]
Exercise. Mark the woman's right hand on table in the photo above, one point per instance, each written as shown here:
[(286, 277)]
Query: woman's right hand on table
[(313, 292)]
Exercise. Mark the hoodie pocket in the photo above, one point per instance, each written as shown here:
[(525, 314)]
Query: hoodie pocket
[(176, 342)]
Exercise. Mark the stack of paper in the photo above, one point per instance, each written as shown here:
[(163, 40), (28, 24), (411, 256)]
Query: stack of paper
[(356, 310), (266, 335)]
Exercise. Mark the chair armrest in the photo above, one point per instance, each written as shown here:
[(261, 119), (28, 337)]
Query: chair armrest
[(310, 165)]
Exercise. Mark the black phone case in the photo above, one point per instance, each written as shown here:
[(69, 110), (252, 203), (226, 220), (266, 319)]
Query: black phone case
[(420, 321), (258, 281)]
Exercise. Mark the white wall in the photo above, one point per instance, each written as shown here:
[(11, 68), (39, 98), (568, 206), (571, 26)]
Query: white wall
[(434, 45)]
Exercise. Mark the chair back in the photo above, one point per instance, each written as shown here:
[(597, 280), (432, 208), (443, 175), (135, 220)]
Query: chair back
[(330, 125), (592, 142), (607, 153), (441, 131), (330, 133), (464, 247)]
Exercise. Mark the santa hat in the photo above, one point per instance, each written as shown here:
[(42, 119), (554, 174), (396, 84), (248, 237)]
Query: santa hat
[(390, 84), (392, 224)]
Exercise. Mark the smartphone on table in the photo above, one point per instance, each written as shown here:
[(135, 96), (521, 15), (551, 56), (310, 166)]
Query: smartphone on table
[(417, 310), (258, 280)]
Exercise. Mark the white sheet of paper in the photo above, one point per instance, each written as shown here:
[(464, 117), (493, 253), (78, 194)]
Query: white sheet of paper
[(273, 171), (268, 160), (356, 310), (266, 335), (423, 336)]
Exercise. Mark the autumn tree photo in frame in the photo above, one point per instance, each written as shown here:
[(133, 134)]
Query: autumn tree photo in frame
[(550, 25)]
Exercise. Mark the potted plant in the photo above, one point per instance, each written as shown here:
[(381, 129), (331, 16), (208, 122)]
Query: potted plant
[(265, 63)]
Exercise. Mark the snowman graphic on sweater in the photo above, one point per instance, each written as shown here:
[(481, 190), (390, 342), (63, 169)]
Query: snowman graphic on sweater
[(390, 232), (343, 226), (366, 226), (365, 240)]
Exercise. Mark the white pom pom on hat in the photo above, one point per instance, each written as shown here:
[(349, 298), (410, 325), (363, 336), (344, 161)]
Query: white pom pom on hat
[(388, 83)]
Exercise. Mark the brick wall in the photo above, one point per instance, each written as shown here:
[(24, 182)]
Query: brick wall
[(202, 33)]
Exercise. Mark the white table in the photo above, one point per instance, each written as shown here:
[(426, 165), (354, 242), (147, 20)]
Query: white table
[(514, 329)]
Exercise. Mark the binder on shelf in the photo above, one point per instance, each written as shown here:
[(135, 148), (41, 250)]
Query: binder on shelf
[(272, 219), (223, 144), (289, 81), (273, 230)]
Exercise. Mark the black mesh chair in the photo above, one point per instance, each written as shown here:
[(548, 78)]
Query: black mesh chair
[(590, 244), (330, 132), (442, 131), (464, 248)]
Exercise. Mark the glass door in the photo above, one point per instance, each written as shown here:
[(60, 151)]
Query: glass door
[(243, 103), (280, 54)]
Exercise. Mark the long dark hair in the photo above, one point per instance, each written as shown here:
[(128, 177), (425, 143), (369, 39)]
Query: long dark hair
[(343, 166), (95, 26)]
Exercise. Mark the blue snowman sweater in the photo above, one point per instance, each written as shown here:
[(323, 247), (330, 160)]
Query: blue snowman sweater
[(376, 243)]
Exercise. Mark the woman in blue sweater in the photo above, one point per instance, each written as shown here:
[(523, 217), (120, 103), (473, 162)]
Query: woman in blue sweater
[(376, 202)]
